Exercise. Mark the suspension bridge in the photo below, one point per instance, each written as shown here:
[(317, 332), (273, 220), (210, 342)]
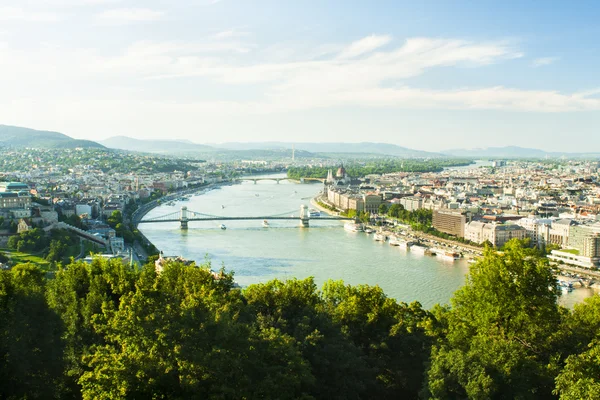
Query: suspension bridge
[(185, 216), (301, 180)]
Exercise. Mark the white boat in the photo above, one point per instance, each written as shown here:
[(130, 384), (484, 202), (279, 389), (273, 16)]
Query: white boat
[(448, 255), (369, 230), (380, 237), (265, 223), (395, 241), (353, 227), (314, 213), (417, 248), (222, 226)]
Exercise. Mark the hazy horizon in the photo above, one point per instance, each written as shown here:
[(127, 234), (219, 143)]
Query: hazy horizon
[(428, 76)]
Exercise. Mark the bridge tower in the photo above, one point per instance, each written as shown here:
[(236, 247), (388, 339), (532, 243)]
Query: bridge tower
[(304, 215), (184, 218)]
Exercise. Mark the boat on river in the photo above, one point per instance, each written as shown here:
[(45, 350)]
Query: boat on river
[(395, 240), (265, 223), (222, 226), (314, 213), (399, 242), (448, 255), (419, 249), (353, 227), (380, 237)]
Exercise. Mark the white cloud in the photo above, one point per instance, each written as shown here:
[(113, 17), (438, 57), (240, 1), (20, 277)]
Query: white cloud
[(365, 45), (354, 75), (20, 14), (540, 62), (128, 15)]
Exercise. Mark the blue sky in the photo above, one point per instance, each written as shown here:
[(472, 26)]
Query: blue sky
[(430, 75)]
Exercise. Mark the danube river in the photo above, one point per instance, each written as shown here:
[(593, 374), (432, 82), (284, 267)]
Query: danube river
[(285, 250)]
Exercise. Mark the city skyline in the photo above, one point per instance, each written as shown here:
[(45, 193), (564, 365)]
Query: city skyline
[(433, 76)]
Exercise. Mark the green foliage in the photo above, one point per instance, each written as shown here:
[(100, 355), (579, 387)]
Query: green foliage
[(29, 241), (104, 330), (31, 348), (359, 170), (499, 342)]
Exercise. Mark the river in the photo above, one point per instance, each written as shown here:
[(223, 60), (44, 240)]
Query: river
[(285, 250)]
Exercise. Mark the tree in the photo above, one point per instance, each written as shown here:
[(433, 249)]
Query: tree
[(383, 209), (84, 296), (390, 335), (184, 334), (395, 210), (499, 341), (580, 378), (31, 348)]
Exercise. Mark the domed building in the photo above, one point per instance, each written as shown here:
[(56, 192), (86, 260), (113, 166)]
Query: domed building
[(341, 177), (341, 172)]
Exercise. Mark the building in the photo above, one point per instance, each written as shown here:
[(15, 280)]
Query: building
[(372, 202), (13, 187), (20, 199), (474, 231), (495, 233), (411, 203), (534, 228), (585, 239), (24, 225), (451, 222), (557, 233)]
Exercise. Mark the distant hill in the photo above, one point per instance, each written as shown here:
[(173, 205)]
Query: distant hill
[(513, 152), (14, 136), (156, 146), (334, 148)]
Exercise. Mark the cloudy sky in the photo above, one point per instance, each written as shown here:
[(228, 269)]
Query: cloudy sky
[(430, 75)]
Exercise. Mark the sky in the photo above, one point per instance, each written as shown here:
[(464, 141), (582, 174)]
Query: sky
[(428, 75)]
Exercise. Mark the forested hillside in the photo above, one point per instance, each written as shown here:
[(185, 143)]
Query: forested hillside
[(107, 331)]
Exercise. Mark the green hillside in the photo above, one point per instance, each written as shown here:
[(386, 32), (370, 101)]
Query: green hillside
[(14, 136)]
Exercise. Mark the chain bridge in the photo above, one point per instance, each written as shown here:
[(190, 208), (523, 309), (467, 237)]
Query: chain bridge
[(185, 216), (301, 180)]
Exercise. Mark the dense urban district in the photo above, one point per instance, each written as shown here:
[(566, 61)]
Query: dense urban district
[(90, 309)]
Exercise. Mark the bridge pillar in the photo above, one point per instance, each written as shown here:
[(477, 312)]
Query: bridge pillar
[(254, 181), (304, 216), (277, 181), (183, 219)]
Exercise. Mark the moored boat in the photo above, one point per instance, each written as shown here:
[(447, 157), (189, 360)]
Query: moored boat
[(395, 240), (380, 237), (353, 227), (448, 255), (265, 223), (419, 249)]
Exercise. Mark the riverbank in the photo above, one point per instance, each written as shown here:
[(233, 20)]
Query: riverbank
[(468, 251)]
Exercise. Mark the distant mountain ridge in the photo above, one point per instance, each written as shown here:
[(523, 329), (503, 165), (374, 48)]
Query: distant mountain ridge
[(334, 147), (302, 149), (512, 152), (155, 146), (15, 136)]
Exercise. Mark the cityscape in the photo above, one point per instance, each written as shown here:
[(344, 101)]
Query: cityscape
[(218, 199)]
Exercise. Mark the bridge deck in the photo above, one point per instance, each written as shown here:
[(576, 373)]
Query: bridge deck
[(247, 219)]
